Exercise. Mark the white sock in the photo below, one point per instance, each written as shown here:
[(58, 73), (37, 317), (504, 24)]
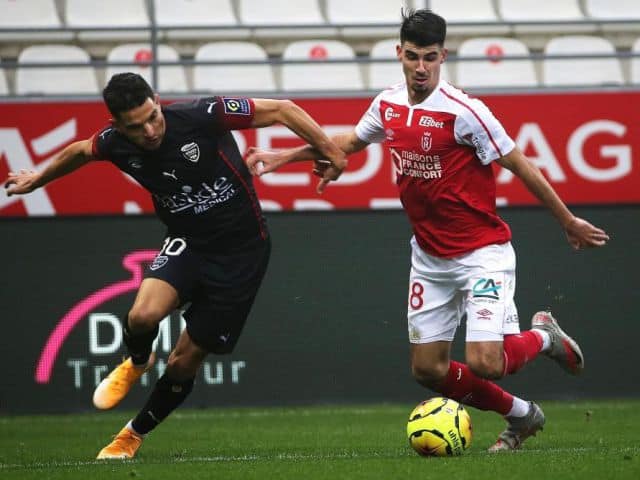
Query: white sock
[(519, 408), (546, 339)]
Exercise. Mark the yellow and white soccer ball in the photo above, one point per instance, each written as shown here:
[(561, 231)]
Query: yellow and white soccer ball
[(439, 427)]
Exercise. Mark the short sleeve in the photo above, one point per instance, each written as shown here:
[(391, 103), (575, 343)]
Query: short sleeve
[(101, 143), (370, 128), (225, 113), (477, 127)]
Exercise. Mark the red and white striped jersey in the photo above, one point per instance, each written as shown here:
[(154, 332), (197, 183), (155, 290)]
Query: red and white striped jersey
[(442, 150)]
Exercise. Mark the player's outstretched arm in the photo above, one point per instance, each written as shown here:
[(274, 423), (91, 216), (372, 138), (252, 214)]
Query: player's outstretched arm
[(580, 233), (70, 159), (271, 111), (261, 161)]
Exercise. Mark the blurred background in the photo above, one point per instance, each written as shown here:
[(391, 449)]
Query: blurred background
[(329, 324)]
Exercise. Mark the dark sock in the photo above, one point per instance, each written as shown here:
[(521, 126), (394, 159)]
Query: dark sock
[(139, 344), (166, 396)]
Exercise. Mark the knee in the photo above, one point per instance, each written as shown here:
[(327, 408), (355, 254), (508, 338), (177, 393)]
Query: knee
[(486, 367), (144, 318), (184, 365), (431, 375)]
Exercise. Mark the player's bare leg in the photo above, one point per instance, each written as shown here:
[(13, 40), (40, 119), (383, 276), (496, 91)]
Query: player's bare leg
[(154, 301), (169, 392)]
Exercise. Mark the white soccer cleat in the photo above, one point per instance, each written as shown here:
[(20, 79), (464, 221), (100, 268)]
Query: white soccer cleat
[(564, 349), (519, 429)]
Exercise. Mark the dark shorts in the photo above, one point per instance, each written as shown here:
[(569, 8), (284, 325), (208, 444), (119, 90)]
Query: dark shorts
[(217, 290)]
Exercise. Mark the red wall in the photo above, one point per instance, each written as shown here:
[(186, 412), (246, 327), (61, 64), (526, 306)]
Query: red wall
[(583, 142)]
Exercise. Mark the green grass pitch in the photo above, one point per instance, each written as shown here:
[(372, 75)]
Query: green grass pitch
[(586, 440)]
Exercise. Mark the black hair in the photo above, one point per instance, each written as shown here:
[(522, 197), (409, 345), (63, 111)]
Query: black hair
[(422, 27), (126, 91)]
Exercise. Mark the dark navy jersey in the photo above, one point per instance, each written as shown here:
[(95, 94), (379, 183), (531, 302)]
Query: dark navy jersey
[(200, 186)]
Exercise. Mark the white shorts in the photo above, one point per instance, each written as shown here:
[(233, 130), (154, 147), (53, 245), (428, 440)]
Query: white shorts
[(481, 284)]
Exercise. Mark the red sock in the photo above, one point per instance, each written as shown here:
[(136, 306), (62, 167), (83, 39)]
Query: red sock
[(520, 349), (462, 385)]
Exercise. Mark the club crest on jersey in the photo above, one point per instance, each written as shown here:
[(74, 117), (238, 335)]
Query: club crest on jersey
[(426, 141), (236, 106), (191, 151)]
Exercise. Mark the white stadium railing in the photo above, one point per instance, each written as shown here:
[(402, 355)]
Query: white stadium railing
[(153, 30)]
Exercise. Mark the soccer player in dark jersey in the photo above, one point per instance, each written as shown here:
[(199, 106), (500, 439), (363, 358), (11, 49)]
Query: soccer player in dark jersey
[(217, 244), (442, 143)]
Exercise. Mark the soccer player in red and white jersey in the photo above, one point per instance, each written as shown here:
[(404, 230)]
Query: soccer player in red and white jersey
[(442, 143)]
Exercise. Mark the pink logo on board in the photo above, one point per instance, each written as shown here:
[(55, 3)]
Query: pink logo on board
[(133, 262)]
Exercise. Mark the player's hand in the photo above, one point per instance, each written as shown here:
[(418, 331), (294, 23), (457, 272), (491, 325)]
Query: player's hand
[(260, 161), (581, 234), (21, 182), (327, 171)]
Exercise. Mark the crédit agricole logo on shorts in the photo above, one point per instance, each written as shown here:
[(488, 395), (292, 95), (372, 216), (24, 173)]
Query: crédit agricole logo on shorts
[(105, 340)]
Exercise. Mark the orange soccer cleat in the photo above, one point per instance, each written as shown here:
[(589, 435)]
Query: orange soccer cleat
[(117, 384), (124, 445)]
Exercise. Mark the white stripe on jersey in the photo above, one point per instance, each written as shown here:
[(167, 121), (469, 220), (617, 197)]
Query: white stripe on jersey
[(475, 125)]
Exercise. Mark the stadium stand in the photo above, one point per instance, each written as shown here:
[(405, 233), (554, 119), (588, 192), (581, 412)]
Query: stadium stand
[(383, 74), (108, 14), (635, 64), (301, 12), (170, 78), (607, 11), (581, 71), (320, 76), (362, 13), (363, 25), (232, 77), (208, 14), (468, 13), (566, 11), (496, 71), (4, 86), (59, 80), (287, 16), (612, 10), (31, 14)]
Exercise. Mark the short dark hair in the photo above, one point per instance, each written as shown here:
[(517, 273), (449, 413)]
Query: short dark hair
[(126, 91), (422, 27)]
